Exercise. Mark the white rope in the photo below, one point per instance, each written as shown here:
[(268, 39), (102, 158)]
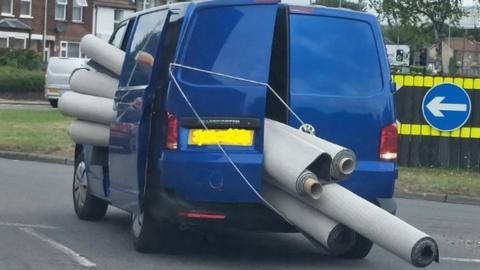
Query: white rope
[(218, 144), (243, 80)]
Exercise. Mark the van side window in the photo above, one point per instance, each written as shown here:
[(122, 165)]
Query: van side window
[(337, 56), (117, 37), (143, 47)]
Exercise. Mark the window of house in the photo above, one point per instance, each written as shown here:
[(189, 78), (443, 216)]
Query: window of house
[(7, 7), (3, 42), (19, 44), (77, 12), (117, 17), (60, 9), (69, 49), (147, 4), (26, 8)]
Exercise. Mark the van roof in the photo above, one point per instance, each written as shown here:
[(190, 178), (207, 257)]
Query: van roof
[(294, 8)]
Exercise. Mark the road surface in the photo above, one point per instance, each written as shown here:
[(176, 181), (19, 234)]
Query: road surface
[(39, 230)]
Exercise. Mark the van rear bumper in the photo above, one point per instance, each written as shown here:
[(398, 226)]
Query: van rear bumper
[(200, 176), (166, 205)]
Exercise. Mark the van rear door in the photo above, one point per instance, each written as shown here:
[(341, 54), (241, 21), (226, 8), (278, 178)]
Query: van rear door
[(340, 83), (234, 38)]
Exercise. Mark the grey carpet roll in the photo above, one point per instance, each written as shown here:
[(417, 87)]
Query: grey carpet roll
[(83, 132), (103, 53), (329, 233), (93, 83), (86, 107), (286, 158), (376, 224), (343, 159)]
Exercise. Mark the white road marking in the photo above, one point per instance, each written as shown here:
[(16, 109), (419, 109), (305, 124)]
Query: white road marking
[(453, 259), (37, 226), (72, 254)]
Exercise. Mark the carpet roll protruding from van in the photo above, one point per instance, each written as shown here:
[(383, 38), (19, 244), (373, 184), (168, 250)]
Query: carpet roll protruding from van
[(83, 132), (102, 53), (320, 228), (281, 146), (93, 83), (86, 107), (289, 152), (376, 224), (343, 159)]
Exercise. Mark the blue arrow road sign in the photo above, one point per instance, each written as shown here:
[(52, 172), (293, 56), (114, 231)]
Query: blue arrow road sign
[(446, 107)]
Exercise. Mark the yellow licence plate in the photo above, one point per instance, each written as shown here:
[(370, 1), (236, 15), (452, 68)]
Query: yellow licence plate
[(231, 136), (53, 91)]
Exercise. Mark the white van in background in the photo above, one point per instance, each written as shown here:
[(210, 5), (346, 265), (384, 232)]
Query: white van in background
[(58, 75)]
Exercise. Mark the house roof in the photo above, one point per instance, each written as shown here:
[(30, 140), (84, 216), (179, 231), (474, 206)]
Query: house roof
[(14, 24), (124, 4), (463, 44)]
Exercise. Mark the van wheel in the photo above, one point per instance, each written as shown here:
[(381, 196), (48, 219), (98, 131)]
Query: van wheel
[(144, 232), (359, 250), (150, 235), (53, 103), (87, 207)]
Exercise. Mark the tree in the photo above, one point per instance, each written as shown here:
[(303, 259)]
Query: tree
[(360, 5), (423, 14)]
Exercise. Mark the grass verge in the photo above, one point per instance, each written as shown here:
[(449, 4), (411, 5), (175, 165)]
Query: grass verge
[(40, 131), (43, 131), (443, 181)]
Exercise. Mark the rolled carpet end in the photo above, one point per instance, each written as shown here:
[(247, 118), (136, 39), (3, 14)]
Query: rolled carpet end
[(316, 226), (308, 184), (83, 132), (424, 252), (343, 164), (93, 83), (103, 53), (86, 107), (341, 238)]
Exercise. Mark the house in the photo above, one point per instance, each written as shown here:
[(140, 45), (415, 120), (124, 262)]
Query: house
[(55, 30), (464, 51), (108, 13)]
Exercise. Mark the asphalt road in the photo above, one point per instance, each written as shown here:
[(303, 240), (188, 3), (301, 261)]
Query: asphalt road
[(39, 230)]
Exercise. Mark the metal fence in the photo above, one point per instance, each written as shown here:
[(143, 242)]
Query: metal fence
[(422, 145)]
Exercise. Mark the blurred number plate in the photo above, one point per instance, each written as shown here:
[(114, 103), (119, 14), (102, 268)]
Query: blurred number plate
[(53, 91), (231, 136)]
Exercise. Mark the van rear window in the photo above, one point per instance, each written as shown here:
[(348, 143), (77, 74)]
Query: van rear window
[(333, 56)]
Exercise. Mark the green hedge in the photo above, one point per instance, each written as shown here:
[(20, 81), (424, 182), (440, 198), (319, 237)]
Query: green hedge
[(17, 81), (23, 59)]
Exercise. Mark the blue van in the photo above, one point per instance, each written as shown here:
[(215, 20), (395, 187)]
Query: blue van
[(329, 65)]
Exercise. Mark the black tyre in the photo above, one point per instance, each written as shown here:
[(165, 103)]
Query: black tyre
[(359, 250), (150, 235), (144, 232), (53, 103), (87, 207)]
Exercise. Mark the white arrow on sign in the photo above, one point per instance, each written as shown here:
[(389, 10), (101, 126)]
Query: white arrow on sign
[(436, 107)]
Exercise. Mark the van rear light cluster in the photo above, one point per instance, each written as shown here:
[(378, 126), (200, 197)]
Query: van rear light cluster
[(389, 142), (171, 136)]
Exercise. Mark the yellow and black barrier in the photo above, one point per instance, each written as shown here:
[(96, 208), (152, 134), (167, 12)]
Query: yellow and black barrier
[(422, 145)]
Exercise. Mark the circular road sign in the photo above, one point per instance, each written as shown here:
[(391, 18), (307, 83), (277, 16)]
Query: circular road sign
[(446, 107)]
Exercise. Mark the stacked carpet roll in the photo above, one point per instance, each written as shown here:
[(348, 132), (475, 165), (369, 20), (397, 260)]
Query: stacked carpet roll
[(332, 210), (91, 100)]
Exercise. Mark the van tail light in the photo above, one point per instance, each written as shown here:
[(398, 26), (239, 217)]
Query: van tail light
[(389, 142), (171, 136)]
